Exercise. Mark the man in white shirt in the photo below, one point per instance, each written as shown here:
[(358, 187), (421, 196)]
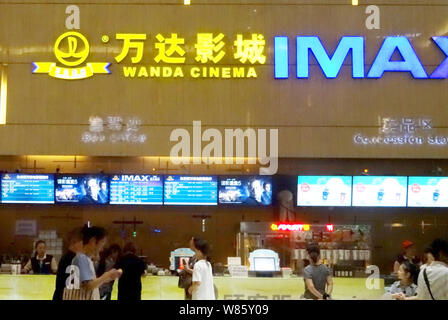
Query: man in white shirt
[(203, 279), (436, 285), (202, 287)]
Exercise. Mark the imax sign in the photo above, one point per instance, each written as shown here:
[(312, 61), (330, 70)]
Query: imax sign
[(331, 66)]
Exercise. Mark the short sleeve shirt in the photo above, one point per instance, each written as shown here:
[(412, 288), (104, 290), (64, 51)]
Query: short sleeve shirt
[(318, 274), (203, 274), (86, 271), (408, 291), (437, 273)]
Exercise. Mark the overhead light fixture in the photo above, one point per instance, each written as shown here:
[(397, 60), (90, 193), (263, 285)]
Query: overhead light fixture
[(397, 225), (3, 93), (354, 2), (187, 2)]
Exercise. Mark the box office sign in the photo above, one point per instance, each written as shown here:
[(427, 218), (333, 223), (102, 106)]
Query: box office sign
[(170, 59)]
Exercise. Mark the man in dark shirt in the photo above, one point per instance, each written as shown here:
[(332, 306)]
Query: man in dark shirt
[(74, 246), (130, 283)]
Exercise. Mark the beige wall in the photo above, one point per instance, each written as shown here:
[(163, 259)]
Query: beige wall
[(316, 117)]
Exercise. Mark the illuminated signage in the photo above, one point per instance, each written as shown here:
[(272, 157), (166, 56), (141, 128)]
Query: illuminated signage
[(71, 50), (170, 60), (403, 131), (332, 65), (289, 227)]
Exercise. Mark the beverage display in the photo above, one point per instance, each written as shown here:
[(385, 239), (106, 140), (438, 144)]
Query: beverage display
[(324, 191), (428, 192), (379, 191)]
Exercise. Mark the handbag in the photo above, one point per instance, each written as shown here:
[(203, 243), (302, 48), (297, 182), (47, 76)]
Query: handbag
[(77, 294), (184, 280)]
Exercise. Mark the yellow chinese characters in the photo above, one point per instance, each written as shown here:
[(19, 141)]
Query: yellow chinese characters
[(131, 41), (250, 49), (166, 55), (209, 48)]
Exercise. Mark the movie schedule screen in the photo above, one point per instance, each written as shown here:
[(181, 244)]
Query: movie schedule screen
[(84, 189), (245, 190), (27, 188), (324, 191), (136, 189), (373, 191), (428, 192), (191, 190)]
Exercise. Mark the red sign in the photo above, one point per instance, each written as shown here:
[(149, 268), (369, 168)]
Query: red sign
[(360, 187), (289, 227), (305, 187), (416, 188)]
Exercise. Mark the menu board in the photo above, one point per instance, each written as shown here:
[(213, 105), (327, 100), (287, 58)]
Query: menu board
[(245, 190), (324, 191), (374, 191), (428, 192), (191, 190), (27, 188), (136, 189), (84, 189)]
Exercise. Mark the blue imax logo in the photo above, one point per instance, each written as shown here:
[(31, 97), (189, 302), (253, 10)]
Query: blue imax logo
[(332, 65)]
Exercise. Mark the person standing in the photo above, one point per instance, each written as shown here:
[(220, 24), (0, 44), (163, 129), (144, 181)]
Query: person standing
[(428, 258), (317, 276), (407, 254), (433, 280), (74, 240), (130, 284), (41, 262), (94, 239), (107, 261), (188, 271), (202, 287)]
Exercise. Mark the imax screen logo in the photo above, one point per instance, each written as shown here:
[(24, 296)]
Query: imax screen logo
[(135, 178), (332, 65)]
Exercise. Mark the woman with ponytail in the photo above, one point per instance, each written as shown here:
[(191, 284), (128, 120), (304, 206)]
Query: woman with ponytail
[(317, 276)]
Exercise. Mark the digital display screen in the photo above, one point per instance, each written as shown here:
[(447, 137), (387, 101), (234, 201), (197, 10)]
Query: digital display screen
[(428, 192), (27, 188), (191, 190), (84, 189), (373, 191), (324, 191), (264, 264), (245, 190), (136, 189)]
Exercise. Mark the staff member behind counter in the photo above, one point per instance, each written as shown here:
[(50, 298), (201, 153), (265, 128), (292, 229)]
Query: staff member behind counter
[(409, 254), (318, 277), (41, 263)]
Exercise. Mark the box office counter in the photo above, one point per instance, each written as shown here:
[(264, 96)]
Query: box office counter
[(41, 287)]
